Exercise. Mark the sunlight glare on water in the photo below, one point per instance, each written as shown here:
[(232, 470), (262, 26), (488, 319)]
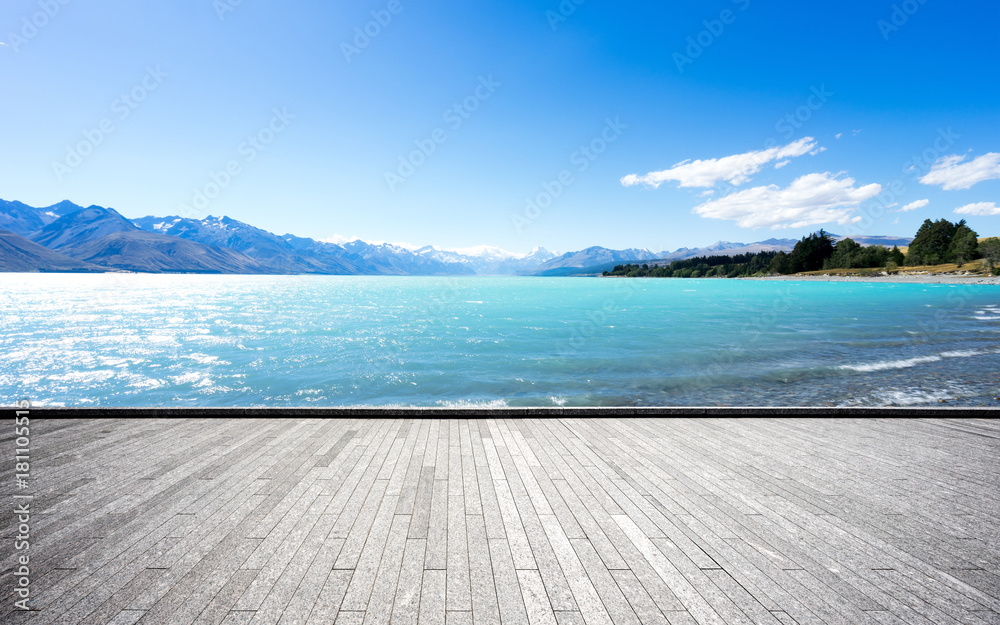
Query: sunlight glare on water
[(183, 340)]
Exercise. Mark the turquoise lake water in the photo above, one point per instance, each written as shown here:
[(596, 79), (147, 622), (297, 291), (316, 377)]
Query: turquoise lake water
[(155, 340)]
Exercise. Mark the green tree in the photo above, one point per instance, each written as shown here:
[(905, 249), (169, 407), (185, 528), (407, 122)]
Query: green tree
[(990, 250), (844, 252), (964, 244), (896, 256), (810, 253), (930, 246), (779, 264)]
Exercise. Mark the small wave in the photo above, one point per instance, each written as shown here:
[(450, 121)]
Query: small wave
[(912, 397), (912, 362), (474, 405), (892, 364), (558, 401), (963, 353)]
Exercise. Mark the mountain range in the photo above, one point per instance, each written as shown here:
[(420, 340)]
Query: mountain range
[(66, 237)]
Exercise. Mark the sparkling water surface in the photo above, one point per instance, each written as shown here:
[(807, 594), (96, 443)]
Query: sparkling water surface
[(189, 340)]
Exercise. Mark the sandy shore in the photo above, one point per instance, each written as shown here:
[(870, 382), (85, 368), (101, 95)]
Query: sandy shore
[(912, 279)]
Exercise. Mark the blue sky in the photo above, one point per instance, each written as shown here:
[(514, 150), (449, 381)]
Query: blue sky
[(438, 129)]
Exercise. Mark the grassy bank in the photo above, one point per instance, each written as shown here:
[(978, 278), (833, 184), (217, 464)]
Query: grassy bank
[(976, 268)]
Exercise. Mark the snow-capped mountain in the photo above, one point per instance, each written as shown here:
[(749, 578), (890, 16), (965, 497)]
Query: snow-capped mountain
[(573, 262), (101, 238), (22, 219), (398, 260), (487, 260), (256, 243), (291, 254)]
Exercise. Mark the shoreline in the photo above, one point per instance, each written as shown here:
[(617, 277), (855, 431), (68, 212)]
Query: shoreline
[(897, 279)]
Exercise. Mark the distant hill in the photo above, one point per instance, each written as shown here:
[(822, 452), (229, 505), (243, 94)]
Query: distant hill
[(726, 248), (888, 242), (595, 260), (572, 262), (20, 254), (583, 263)]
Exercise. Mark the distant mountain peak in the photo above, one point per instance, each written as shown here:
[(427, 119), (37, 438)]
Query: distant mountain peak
[(64, 207), (82, 225)]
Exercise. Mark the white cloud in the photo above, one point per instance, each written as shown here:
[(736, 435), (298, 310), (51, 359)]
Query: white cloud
[(914, 205), (838, 135), (735, 169), (952, 173), (707, 193), (980, 208), (809, 200), (781, 164)]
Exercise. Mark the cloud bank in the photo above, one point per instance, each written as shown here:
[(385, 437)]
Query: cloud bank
[(952, 173), (980, 208), (809, 200), (735, 169)]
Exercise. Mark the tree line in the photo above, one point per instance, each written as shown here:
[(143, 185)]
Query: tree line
[(936, 242)]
